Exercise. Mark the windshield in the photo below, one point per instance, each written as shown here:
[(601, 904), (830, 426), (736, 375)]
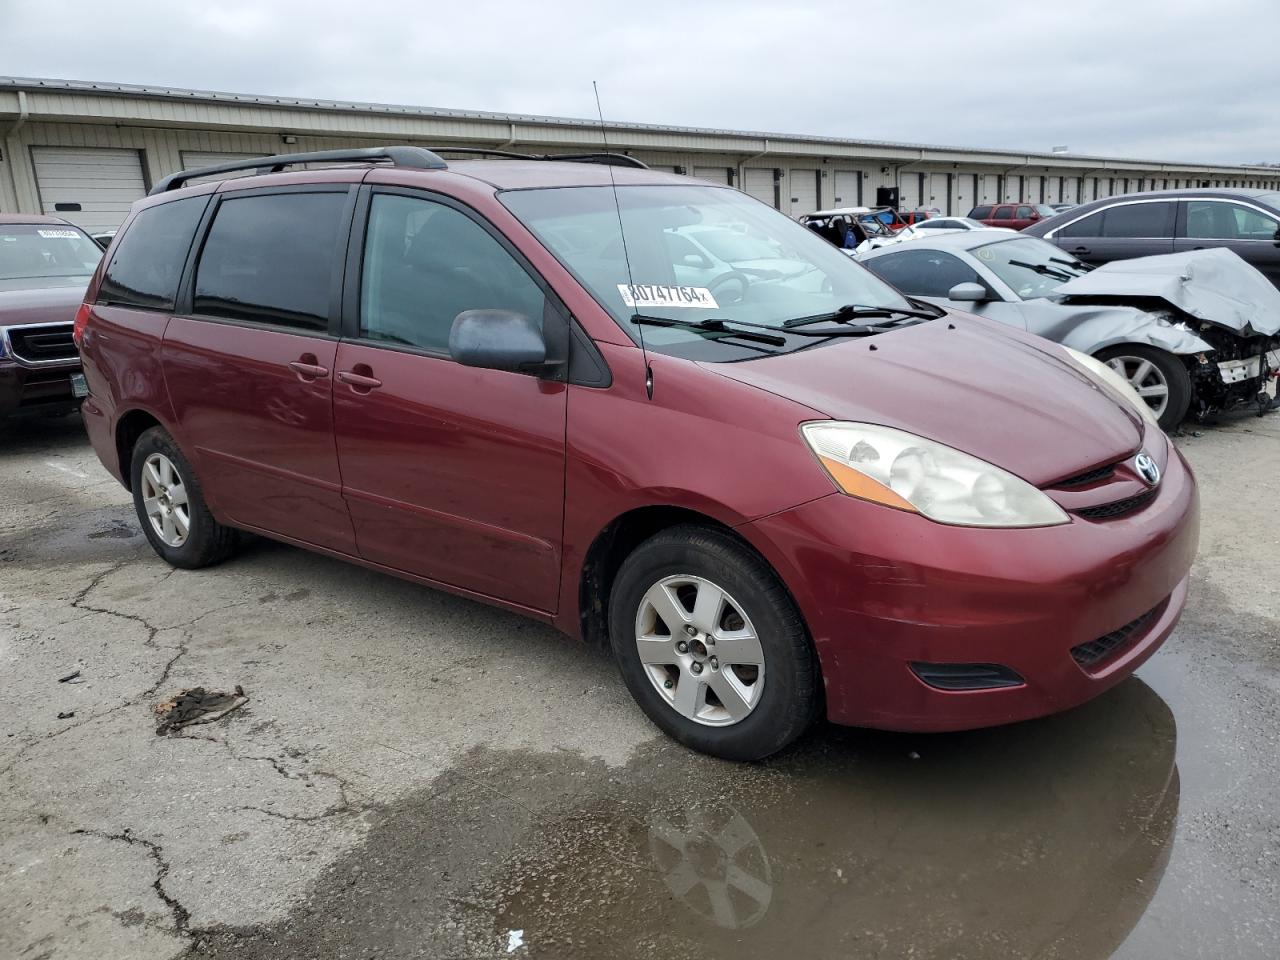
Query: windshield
[(36, 250), (1031, 267), (696, 253)]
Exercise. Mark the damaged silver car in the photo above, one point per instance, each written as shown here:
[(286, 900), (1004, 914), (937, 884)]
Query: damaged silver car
[(1193, 332)]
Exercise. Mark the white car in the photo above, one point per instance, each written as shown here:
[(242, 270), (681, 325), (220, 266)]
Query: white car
[(934, 226), (726, 261)]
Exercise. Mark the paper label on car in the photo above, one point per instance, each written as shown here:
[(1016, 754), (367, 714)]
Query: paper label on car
[(58, 234), (666, 295)]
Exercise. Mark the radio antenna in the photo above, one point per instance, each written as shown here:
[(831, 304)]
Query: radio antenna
[(622, 233)]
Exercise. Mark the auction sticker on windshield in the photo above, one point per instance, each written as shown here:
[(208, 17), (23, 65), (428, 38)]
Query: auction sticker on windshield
[(58, 234), (665, 295)]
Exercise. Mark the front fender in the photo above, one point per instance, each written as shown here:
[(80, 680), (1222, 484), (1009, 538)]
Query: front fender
[(1107, 328)]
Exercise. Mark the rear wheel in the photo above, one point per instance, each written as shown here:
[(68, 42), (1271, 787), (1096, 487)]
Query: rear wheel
[(711, 645), (171, 507), (1159, 377)]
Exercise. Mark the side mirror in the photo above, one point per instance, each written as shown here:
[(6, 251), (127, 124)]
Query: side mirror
[(968, 293), (498, 340), (695, 260)]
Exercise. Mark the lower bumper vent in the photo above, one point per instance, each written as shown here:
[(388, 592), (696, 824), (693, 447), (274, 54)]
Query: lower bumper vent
[(1095, 651), (966, 676)]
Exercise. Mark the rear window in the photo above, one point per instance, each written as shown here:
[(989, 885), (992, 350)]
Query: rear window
[(980, 213), (271, 259), (38, 250), (146, 263)]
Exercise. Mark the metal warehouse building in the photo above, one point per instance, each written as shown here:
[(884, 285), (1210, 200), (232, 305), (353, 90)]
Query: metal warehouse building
[(86, 151)]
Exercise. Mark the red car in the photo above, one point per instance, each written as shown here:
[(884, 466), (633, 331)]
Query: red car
[(778, 493), (45, 265), (1013, 216)]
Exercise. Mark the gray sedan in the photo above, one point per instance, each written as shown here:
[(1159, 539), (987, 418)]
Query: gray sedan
[(1191, 332)]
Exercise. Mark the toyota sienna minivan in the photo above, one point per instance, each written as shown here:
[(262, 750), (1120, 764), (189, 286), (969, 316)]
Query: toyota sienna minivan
[(777, 494)]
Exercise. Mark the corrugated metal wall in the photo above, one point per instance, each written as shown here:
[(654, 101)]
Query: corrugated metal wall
[(165, 149)]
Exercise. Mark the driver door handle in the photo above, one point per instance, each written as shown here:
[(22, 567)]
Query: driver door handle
[(307, 368)]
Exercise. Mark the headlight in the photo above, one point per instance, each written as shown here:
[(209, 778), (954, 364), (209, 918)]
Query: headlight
[(1107, 377), (908, 472)]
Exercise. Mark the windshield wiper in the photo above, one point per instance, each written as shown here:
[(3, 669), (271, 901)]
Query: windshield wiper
[(1042, 269), (851, 311), (1078, 264), (715, 326)]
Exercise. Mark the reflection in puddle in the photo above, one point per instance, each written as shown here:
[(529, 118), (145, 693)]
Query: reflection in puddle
[(1046, 839)]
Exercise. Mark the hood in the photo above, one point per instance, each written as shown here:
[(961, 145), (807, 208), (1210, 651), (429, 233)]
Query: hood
[(1090, 327), (1213, 285), (964, 382), (44, 304)]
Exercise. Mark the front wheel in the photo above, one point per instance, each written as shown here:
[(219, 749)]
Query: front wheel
[(711, 645), (1160, 379)]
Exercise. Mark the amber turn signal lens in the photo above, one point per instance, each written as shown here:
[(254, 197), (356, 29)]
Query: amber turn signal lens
[(859, 485)]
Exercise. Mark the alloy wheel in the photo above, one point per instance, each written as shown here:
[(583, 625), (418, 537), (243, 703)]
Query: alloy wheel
[(700, 650), (164, 498), (1146, 378)]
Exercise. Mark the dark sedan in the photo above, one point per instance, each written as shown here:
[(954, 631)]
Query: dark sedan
[(45, 265), (1171, 221)]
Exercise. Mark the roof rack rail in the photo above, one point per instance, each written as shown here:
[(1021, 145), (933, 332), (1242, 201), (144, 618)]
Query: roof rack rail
[(613, 159), (414, 158)]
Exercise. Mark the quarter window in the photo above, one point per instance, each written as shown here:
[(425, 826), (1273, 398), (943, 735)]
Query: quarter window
[(1147, 220), (1213, 220), (425, 263), (146, 263), (922, 273)]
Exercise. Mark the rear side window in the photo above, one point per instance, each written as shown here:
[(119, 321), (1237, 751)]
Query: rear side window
[(425, 263), (1090, 226), (922, 273), (980, 213), (146, 263), (1148, 220), (271, 259), (1003, 213)]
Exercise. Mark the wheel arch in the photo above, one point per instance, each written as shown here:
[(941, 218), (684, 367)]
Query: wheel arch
[(619, 537), (129, 427)]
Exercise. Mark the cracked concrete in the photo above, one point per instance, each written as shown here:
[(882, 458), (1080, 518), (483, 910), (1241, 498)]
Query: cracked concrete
[(417, 775)]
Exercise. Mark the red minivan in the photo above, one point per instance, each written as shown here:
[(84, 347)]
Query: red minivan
[(776, 493)]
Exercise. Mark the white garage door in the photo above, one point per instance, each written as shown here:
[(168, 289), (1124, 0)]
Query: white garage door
[(804, 192), (938, 193), (846, 190), (758, 182), (908, 191), (191, 160), (714, 174), (92, 188)]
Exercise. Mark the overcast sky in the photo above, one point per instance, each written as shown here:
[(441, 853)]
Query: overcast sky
[(1177, 80)]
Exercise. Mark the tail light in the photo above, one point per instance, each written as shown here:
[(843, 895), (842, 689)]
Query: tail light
[(82, 318)]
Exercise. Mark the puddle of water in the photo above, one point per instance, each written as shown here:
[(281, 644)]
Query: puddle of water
[(1046, 839), (1043, 840)]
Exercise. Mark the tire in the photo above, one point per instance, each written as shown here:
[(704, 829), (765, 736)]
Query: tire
[(175, 491), (1168, 371), (732, 710)]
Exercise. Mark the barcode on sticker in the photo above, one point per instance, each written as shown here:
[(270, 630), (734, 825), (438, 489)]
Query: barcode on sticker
[(666, 295), (58, 234)]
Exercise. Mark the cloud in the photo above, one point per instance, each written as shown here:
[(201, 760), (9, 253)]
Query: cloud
[(1183, 80)]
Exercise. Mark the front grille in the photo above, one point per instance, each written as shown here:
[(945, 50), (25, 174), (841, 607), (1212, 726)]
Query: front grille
[(1095, 651), (1118, 508), (42, 344), (1102, 473)]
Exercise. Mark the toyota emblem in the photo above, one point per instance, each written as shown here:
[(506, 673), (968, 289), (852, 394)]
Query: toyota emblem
[(1147, 469)]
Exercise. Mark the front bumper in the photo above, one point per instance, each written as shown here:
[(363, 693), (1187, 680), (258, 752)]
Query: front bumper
[(36, 389), (881, 589)]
